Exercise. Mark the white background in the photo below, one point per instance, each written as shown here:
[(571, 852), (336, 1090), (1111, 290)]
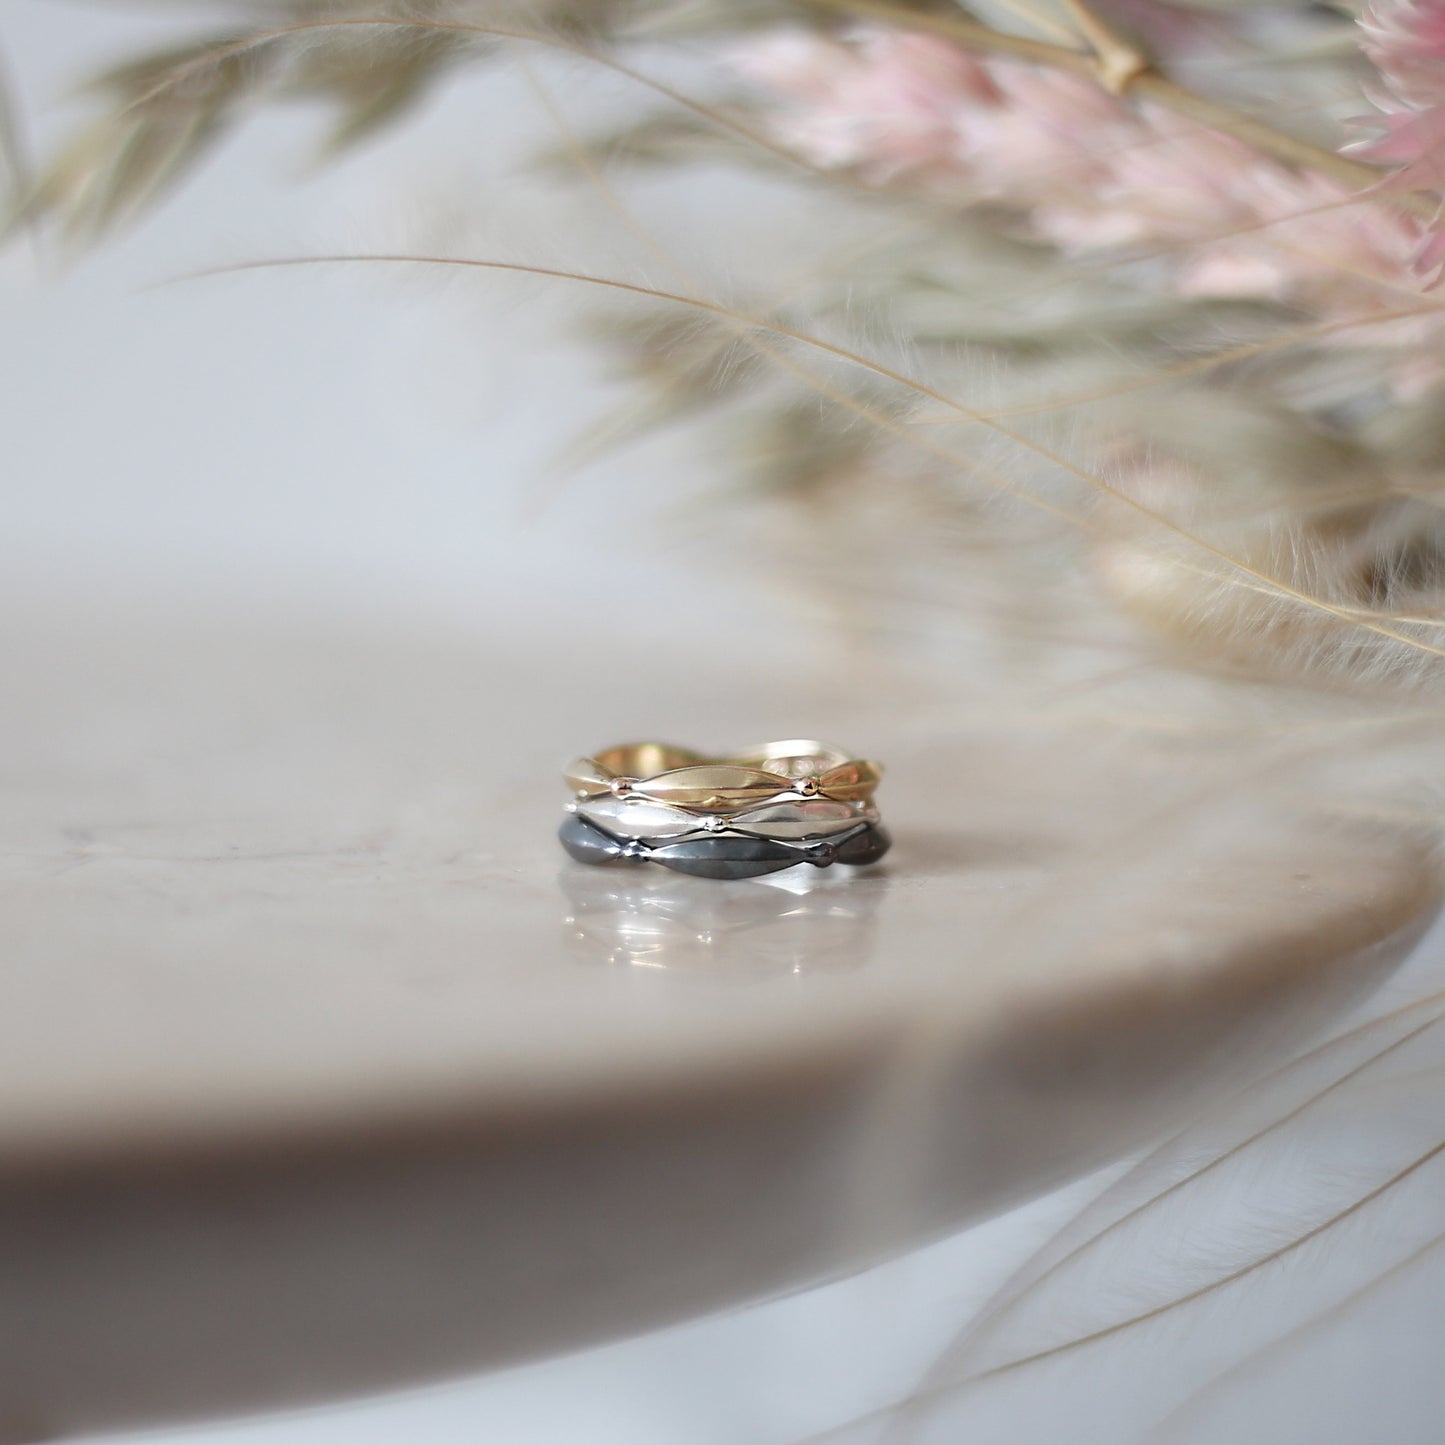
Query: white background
[(369, 440)]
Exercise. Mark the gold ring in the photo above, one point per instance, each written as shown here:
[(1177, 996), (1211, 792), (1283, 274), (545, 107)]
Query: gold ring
[(681, 778)]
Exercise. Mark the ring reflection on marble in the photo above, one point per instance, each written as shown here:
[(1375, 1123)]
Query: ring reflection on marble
[(739, 816), (659, 921)]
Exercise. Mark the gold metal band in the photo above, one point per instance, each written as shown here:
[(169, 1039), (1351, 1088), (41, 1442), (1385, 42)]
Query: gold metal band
[(797, 767)]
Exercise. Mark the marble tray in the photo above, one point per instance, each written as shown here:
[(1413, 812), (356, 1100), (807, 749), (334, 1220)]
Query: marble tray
[(322, 1070)]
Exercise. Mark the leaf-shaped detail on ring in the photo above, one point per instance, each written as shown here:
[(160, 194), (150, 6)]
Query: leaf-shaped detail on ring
[(789, 818), (587, 777), (850, 782), (727, 857), (799, 819), (588, 843), (793, 758), (637, 817), (712, 789)]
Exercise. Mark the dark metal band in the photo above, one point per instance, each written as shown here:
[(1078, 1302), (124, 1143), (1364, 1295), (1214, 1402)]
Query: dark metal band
[(724, 855)]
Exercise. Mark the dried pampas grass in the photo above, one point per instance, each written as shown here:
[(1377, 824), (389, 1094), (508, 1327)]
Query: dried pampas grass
[(1083, 340), (1082, 330)]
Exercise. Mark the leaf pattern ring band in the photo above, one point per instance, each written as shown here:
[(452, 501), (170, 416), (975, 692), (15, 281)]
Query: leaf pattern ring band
[(752, 812)]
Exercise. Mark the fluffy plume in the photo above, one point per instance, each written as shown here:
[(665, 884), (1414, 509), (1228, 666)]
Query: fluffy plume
[(1204, 1287), (1175, 323), (1091, 174)]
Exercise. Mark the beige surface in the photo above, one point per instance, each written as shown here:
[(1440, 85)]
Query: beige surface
[(321, 1069)]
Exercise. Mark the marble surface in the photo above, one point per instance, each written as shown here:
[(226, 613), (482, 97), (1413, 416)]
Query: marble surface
[(322, 1069)]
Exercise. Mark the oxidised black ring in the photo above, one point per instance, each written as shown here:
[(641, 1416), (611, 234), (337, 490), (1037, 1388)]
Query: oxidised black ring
[(722, 854)]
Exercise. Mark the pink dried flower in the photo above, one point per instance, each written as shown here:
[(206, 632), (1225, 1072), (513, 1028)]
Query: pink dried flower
[(1406, 40), (883, 102), (1088, 172)]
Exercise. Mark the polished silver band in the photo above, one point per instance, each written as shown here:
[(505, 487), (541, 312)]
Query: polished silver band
[(804, 818)]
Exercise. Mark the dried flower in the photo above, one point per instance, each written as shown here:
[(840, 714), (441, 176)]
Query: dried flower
[(1089, 173), (883, 102), (1406, 41)]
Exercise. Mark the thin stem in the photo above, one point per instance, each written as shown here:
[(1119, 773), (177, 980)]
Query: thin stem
[(1194, 365), (1237, 567), (258, 39), (1032, 12), (938, 1393), (1276, 143), (989, 1318), (1339, 1217), (970, 33), (1120, 63), (1262, 1360), (1149, 84), (933, 1387)]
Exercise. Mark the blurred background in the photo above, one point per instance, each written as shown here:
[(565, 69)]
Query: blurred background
[(391, 453), (379, 444)]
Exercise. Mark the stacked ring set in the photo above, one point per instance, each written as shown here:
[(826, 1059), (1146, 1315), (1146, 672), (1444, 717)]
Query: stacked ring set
[(742, 816)]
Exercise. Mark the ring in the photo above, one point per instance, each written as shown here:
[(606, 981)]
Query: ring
[(752, 812), (686, 779)]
